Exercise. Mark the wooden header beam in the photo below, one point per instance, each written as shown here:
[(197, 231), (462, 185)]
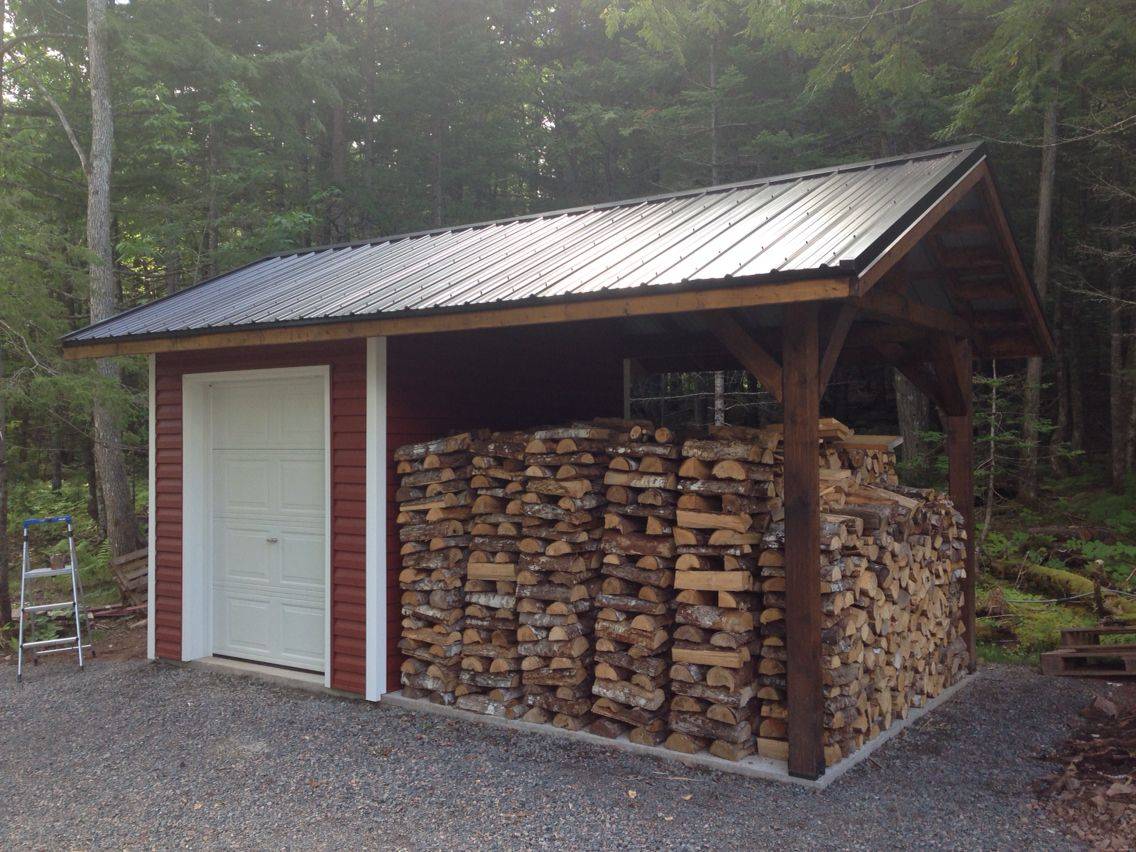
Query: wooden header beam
[(640, 304)]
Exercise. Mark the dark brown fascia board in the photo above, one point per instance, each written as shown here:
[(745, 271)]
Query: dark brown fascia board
[(671, 301)]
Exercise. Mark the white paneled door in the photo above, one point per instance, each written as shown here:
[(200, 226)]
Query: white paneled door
[(268, 504)]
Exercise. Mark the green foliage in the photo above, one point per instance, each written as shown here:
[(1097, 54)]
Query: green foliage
[(1028, 626)]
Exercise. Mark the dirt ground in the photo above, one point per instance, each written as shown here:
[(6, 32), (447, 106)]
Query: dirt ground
[(1093, 790), (115, 639)]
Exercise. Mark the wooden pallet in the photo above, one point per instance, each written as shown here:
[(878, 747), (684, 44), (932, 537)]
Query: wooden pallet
[(1091, 661), (1089, 637), (131, 574)]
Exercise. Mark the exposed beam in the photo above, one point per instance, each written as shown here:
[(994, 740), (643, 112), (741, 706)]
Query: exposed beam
[(915, 371), (1023, 284), (953, 376), (802, 542), (1017, 344), (972, 289), (901, 309), (971, 258), (833, 346), (606, 307), (750, 354), (963, 221)]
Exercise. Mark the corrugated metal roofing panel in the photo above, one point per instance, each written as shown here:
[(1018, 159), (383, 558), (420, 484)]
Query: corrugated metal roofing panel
[(792, 225)]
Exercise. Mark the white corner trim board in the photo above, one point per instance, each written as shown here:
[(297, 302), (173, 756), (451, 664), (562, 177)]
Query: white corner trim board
[(197, 526), (376, 513), (152, 512)]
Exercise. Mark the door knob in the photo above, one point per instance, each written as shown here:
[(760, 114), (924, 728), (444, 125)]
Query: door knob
[(272, 540)]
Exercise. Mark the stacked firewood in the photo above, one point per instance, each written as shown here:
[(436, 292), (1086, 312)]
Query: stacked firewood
[(558, 569), (841, 565), (491, 661), (633, 626), (870, 458), (891, 563), (600, 575), (729, 496), (923, 649), (434, 501)]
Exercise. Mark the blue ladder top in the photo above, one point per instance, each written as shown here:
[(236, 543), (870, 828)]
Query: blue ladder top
[(58, 519)]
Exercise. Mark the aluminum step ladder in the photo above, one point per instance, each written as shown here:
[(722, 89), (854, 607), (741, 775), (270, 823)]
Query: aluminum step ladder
[(62, 644)]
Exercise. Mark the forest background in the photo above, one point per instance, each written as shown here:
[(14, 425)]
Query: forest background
[(146, 145)]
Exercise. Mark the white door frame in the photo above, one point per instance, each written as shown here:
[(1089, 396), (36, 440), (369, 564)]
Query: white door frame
[(197, 528)]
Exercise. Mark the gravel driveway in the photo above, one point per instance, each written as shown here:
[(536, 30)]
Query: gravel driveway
[(131, 754)]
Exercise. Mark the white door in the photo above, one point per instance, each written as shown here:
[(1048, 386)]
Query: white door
[(268, 511)]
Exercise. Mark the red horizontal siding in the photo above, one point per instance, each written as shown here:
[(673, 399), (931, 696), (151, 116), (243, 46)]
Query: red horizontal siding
[(348, 440), (436, 384)]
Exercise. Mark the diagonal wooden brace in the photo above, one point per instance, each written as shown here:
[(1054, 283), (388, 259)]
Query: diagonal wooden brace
[(750, 354)]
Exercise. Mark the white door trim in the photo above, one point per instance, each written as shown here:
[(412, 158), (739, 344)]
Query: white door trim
[(376, 520), (197, 568)]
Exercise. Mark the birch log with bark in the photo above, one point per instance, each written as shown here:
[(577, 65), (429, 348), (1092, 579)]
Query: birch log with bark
[(110, 461)]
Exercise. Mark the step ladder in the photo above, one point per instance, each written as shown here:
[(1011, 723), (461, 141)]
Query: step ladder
[(62, 644)]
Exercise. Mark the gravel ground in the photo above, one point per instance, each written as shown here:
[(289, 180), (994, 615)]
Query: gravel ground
[(130, 754)]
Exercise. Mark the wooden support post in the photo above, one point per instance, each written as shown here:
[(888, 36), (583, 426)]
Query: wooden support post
[(801, 395), (960, 453)]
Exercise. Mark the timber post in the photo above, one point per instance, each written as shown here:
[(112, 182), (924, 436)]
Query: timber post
[(801, 393), (960, 457)]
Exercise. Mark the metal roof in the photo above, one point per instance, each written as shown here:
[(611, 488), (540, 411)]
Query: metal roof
[(809, 224)]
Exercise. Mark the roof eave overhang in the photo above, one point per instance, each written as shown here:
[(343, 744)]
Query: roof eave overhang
[(853, 281), (820, 285), (973, 174)]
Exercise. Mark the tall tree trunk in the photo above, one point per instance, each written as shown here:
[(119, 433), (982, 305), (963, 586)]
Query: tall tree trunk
[(56, 455), (1041, 254), (370, 110), (110, 462), (1061, 425), (439, 196), (1130, 386), (991, 456), (1119, 407), (337, 141), (94, 492), (913, 412), (715, 177), (5, 594), (1076, 399), (3, 57), (171, 274)]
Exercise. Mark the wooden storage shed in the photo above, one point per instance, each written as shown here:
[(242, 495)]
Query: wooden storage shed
[(278, 389)]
